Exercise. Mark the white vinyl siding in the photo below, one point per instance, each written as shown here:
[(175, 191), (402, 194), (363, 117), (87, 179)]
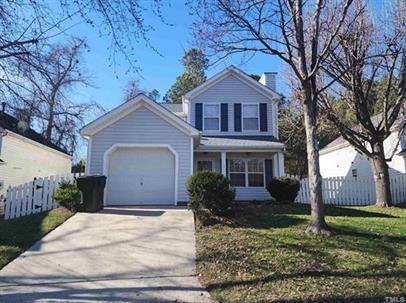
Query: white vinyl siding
[(143, 127), (26, 159), (233, 90), (341, 162)]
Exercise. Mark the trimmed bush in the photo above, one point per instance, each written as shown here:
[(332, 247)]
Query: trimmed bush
[(284, 189), (210, 190), (68, 196)]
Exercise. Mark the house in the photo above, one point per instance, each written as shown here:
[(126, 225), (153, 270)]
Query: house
[(148, 150), (25, 154), (340, 159)]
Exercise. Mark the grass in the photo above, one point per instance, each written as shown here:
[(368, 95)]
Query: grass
[(262, 254), (17, 235)]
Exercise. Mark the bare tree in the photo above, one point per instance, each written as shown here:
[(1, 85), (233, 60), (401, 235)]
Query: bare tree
[(49, 79), (290, 30), (370, 65), (26, 26), (132, 89)]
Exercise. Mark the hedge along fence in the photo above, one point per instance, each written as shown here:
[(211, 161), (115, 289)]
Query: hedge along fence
[(353, 191), (33, 197)]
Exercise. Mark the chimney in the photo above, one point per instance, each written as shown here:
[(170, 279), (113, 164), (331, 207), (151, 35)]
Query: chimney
[(269, 79)]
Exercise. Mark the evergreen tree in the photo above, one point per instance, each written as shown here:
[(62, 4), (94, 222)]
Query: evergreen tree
[(195, 64)]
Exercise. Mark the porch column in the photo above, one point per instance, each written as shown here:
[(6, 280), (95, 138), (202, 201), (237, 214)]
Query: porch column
[(275, 165), (223, 164), (281, 159)]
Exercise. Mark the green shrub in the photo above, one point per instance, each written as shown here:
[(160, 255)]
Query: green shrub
[(210, 190), (284, 189), (68, 196)]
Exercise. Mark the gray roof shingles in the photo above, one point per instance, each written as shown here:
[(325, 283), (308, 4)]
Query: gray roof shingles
[(244, 142), (173, 107)]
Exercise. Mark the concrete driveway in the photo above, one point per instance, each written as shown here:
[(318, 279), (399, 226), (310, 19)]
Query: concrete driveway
[(118, 255)]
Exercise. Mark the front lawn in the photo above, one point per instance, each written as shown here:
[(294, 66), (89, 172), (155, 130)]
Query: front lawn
[(17, 235), (262, 254)]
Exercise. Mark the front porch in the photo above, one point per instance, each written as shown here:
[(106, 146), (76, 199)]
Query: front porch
[(248, 170)]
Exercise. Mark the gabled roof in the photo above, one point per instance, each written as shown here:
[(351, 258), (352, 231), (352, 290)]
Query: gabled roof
[(132, 105), (11, 123), (234, 71)]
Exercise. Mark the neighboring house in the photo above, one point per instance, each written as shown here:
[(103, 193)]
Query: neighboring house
[(339, 158), (25, 154), (228, 124)]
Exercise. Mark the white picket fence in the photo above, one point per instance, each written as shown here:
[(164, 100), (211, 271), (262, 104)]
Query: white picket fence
[(353, 191), (33, 197)]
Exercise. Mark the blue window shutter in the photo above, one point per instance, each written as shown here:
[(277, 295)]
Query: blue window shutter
[(263, 117), (268, 171), (237, 117), (199, 116), (224, 117)]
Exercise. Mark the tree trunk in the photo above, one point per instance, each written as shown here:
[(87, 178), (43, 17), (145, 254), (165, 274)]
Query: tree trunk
[(317, 224), (381, 176)]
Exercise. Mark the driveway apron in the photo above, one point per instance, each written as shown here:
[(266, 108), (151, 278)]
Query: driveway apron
[(122, 254)]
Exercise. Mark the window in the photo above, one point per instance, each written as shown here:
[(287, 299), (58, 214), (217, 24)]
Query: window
[(204, 165), (256, 173), (246, 172), (354, 173), (211, 114), (237, 172), (250, 114)]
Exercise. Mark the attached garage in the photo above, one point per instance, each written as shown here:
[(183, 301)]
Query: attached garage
[(144, 150), (141, 175)]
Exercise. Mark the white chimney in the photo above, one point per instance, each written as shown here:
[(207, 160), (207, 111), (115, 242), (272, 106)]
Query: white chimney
[(269, 79)]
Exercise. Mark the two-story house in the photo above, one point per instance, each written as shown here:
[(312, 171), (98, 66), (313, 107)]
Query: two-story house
[(228, 124)]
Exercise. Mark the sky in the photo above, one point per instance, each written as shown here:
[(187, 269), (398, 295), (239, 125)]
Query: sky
[(156, 71)]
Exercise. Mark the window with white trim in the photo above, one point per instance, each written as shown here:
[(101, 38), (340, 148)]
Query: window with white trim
[(247, 172), (255, 173), (211, 116), (250, 117), (237, 172), (204, 165)]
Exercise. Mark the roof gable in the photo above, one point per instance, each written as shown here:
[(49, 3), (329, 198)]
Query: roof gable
[(134, 104), (237, 73)]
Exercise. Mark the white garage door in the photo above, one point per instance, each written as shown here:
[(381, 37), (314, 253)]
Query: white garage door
[(141, 176)]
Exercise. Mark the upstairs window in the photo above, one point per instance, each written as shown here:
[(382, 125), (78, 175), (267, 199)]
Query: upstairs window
[(250, 114), (211, 117)]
